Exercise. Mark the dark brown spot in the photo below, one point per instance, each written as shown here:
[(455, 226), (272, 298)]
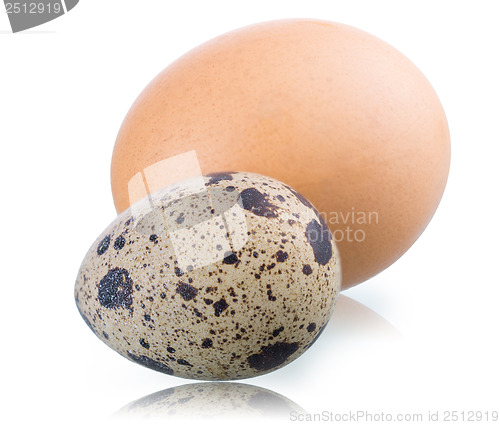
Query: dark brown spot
[(115, 289), (307, 270), (270, 295), (151, 364), (317, 336), (319, 237), (280, 198), (230, 258), (153, 238), (276, 332), (180, 219), (311, 327), (103, 245), (220, 306), (217, 177), (119, 243), (178, 272), (171, 350), (281, 256), (144, 343), (258, 203), (187, 292), (272, 356), (184, 362), (207, 343)]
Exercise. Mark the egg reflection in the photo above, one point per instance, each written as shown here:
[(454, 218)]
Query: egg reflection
[(211, 400)]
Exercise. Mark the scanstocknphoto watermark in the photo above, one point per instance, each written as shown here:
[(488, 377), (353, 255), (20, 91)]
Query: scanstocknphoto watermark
[(367, 416), (356, 416)]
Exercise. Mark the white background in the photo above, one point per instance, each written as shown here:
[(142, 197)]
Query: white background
[(426, 336)]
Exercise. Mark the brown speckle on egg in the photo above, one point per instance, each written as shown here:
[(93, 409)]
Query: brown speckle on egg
[(217, 177), (187, 292), (281, 256), (319, 237), (307, 270), (220, 306), (151, 364), (272, 356), (115, 289), (207, 343), (119, 243), (230, 258), (311, 327), (258, 203), (103, 245)]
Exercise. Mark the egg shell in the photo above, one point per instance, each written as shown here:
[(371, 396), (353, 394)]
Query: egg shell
[(226, 276), (336, 113)]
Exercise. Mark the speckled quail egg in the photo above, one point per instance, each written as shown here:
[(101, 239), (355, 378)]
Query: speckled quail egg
[(219, 277)]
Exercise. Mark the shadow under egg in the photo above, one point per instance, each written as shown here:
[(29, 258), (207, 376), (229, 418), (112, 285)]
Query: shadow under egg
[(353, 319)]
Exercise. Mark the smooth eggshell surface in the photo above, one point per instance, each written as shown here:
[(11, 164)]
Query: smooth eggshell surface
[(227, 276), (334, 112)]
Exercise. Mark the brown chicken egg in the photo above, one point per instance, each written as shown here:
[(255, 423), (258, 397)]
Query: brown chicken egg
[(335, 112)]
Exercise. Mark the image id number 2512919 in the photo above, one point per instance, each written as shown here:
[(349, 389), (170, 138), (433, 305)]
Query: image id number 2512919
[(33, 8)]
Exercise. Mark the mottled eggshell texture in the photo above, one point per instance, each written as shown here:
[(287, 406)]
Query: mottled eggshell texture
[(225, 276)]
